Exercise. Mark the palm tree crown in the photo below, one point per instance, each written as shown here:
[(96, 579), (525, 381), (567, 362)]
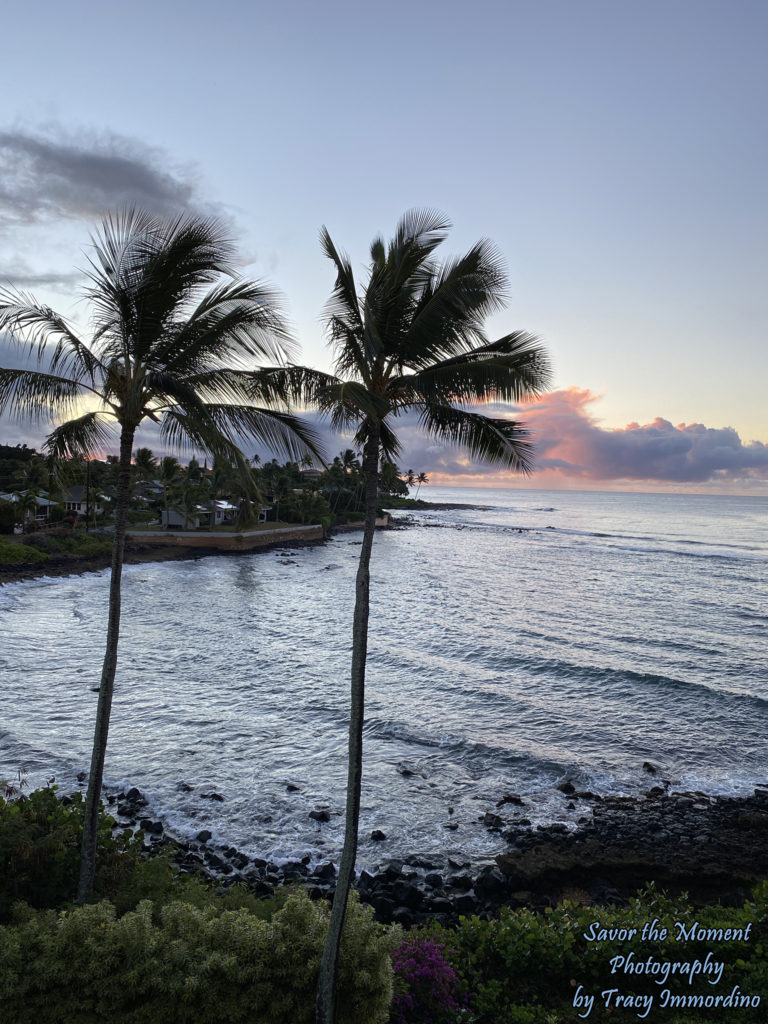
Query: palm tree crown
[(413, 339), (174, 339)]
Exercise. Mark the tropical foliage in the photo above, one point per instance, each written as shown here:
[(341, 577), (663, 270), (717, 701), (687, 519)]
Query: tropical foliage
[(184, 965), (175, 337), (413, 340)]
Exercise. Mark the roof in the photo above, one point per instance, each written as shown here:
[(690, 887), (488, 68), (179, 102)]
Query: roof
[(40, 500)]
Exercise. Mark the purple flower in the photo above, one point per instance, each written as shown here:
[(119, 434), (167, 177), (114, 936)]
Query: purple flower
[(430, 989)]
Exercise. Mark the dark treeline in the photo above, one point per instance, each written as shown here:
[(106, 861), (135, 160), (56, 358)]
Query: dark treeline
[(289, 492)]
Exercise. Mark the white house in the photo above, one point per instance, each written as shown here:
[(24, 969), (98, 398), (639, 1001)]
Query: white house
[(76, 500), (214, 513)]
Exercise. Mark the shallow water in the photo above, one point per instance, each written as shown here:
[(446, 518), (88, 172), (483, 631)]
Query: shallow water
[(546, 635)]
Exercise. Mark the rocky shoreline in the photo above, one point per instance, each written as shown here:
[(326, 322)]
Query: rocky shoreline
[(135, 554), (712, 848)]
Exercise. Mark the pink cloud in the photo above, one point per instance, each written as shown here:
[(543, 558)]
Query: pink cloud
[(570, 442)]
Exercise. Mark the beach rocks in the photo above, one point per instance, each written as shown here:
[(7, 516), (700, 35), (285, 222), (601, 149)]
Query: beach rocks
[(681, 841), (511, 798), (712, 847)]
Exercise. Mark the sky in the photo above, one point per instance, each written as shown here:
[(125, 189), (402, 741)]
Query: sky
[(615, 153)]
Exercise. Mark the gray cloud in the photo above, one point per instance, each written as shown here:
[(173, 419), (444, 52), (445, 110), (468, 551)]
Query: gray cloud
[(20, 275), (55, 176), (571, 444)]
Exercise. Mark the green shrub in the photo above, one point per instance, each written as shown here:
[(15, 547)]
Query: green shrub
[(524, 966), (65, 541), (7, 517), (40, 853), (12, 553), (190, 967)]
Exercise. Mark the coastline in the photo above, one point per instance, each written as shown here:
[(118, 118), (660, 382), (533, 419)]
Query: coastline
[(712, 849), (680, 840), (137, 553), (138, 550)]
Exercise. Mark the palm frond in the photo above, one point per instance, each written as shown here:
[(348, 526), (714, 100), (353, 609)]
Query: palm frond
[(342, 315), (36, 395), (219, 429), (80, 437), (453, 306), (144, 269), (420, 227), (26, 320), (501, 441), (510, 369), (349, 401), (273, 386), (238, 320), (389, 444)]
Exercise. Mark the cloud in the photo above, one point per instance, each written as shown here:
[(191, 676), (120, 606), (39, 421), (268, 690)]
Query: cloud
[(58, 176), (572, 448), (20, 274), (570, 442)]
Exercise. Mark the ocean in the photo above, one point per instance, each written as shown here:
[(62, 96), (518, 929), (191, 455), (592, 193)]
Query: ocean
[(536, 637)]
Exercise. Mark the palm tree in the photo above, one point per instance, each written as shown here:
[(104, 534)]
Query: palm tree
[(413, 340), (168, 473), (421, 478), (169, 321)]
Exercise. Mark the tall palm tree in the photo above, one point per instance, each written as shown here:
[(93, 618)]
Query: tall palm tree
[(413, 340), (175, 338), (421, 478)]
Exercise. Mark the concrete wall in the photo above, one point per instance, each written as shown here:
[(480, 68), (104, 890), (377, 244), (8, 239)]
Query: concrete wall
[(227, 541)]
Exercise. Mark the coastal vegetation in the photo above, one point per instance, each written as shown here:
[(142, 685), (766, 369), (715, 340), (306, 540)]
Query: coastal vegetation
[(269, 492), (167, 947), (413, 339), (172, 329)]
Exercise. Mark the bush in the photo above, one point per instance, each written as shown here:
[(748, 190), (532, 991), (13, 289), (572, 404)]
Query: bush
[(523, 966), (429, 988), (7, 517), (64, 541), (12, 553), (40, 852), (191, 967)]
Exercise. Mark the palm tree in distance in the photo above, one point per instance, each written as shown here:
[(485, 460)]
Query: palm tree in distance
[(175, 339), (168, 473), (421, 478), (413, 340)]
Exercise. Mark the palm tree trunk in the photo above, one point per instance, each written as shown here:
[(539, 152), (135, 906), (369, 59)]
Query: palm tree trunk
[(326, 1003), (106, 690)]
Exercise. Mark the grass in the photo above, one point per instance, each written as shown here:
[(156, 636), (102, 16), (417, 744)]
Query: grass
[(254, 528)]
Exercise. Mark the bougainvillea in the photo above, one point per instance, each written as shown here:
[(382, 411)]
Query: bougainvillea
[(429, 989)]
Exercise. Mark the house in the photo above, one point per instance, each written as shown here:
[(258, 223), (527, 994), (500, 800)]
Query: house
[(204, 517), (42, 509), (213, 513), (76, 500)]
